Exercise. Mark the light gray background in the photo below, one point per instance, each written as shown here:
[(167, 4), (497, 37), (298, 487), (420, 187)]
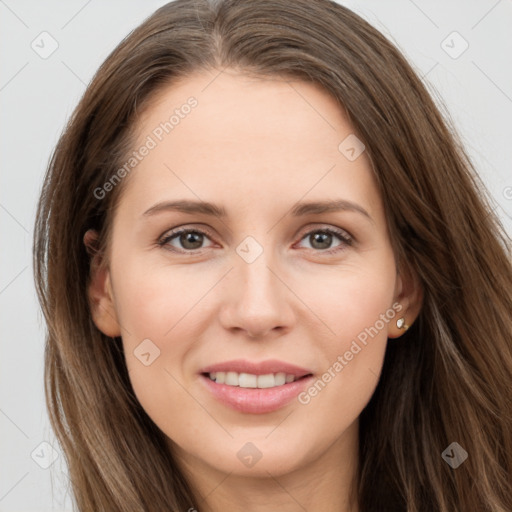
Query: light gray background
[(37, 95)]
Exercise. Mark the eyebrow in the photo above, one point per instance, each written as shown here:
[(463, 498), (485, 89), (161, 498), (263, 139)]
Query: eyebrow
[(300, 209)]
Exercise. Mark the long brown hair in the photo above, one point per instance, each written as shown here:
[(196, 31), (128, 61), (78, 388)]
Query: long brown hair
[(448, 379)]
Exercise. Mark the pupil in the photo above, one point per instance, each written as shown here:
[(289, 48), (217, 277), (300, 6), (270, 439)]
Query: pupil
[(324, 238), (187, 238)]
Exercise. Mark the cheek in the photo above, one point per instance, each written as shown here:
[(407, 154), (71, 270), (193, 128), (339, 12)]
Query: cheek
[(152, 302), (159, 309), (356, 314), (352, 299)]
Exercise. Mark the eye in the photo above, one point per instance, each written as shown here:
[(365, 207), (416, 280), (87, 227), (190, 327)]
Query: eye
[(192, 239), (321, 239), (189, 239)]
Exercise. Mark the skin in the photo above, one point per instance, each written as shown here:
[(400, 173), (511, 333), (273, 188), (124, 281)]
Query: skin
[(255, 147)]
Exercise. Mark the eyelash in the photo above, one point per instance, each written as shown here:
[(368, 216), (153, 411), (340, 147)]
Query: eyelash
[(346, 239)]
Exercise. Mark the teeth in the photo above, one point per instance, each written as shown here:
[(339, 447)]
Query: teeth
[(249, 380), (231, 379), (246, 380)]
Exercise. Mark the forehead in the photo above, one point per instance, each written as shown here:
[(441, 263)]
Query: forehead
[(236, 137)]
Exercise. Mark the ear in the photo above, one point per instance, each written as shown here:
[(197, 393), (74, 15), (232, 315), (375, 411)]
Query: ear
[(101, 298), (409, 294)]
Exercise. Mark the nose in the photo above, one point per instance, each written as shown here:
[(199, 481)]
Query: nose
[(257, 300)]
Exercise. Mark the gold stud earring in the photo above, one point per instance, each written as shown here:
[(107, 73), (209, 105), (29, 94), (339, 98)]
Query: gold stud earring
[(400, 323)]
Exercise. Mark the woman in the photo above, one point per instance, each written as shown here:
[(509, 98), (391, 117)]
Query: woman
[(368, 370)]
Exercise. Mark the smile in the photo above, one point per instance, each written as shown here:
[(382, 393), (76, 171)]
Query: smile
[(271, 397)]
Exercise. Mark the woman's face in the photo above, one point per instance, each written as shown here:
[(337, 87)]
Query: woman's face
[(274, 278)]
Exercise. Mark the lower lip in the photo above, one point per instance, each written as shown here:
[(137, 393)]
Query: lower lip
[(256, 400)]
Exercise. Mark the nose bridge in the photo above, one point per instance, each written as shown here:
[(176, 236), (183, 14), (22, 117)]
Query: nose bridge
[(257, 281), (258, 302)]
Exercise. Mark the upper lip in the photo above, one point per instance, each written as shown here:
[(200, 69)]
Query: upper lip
[(257, 368)]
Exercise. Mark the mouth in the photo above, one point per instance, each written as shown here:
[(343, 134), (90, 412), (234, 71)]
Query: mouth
[(255, 387), (254, 394)]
